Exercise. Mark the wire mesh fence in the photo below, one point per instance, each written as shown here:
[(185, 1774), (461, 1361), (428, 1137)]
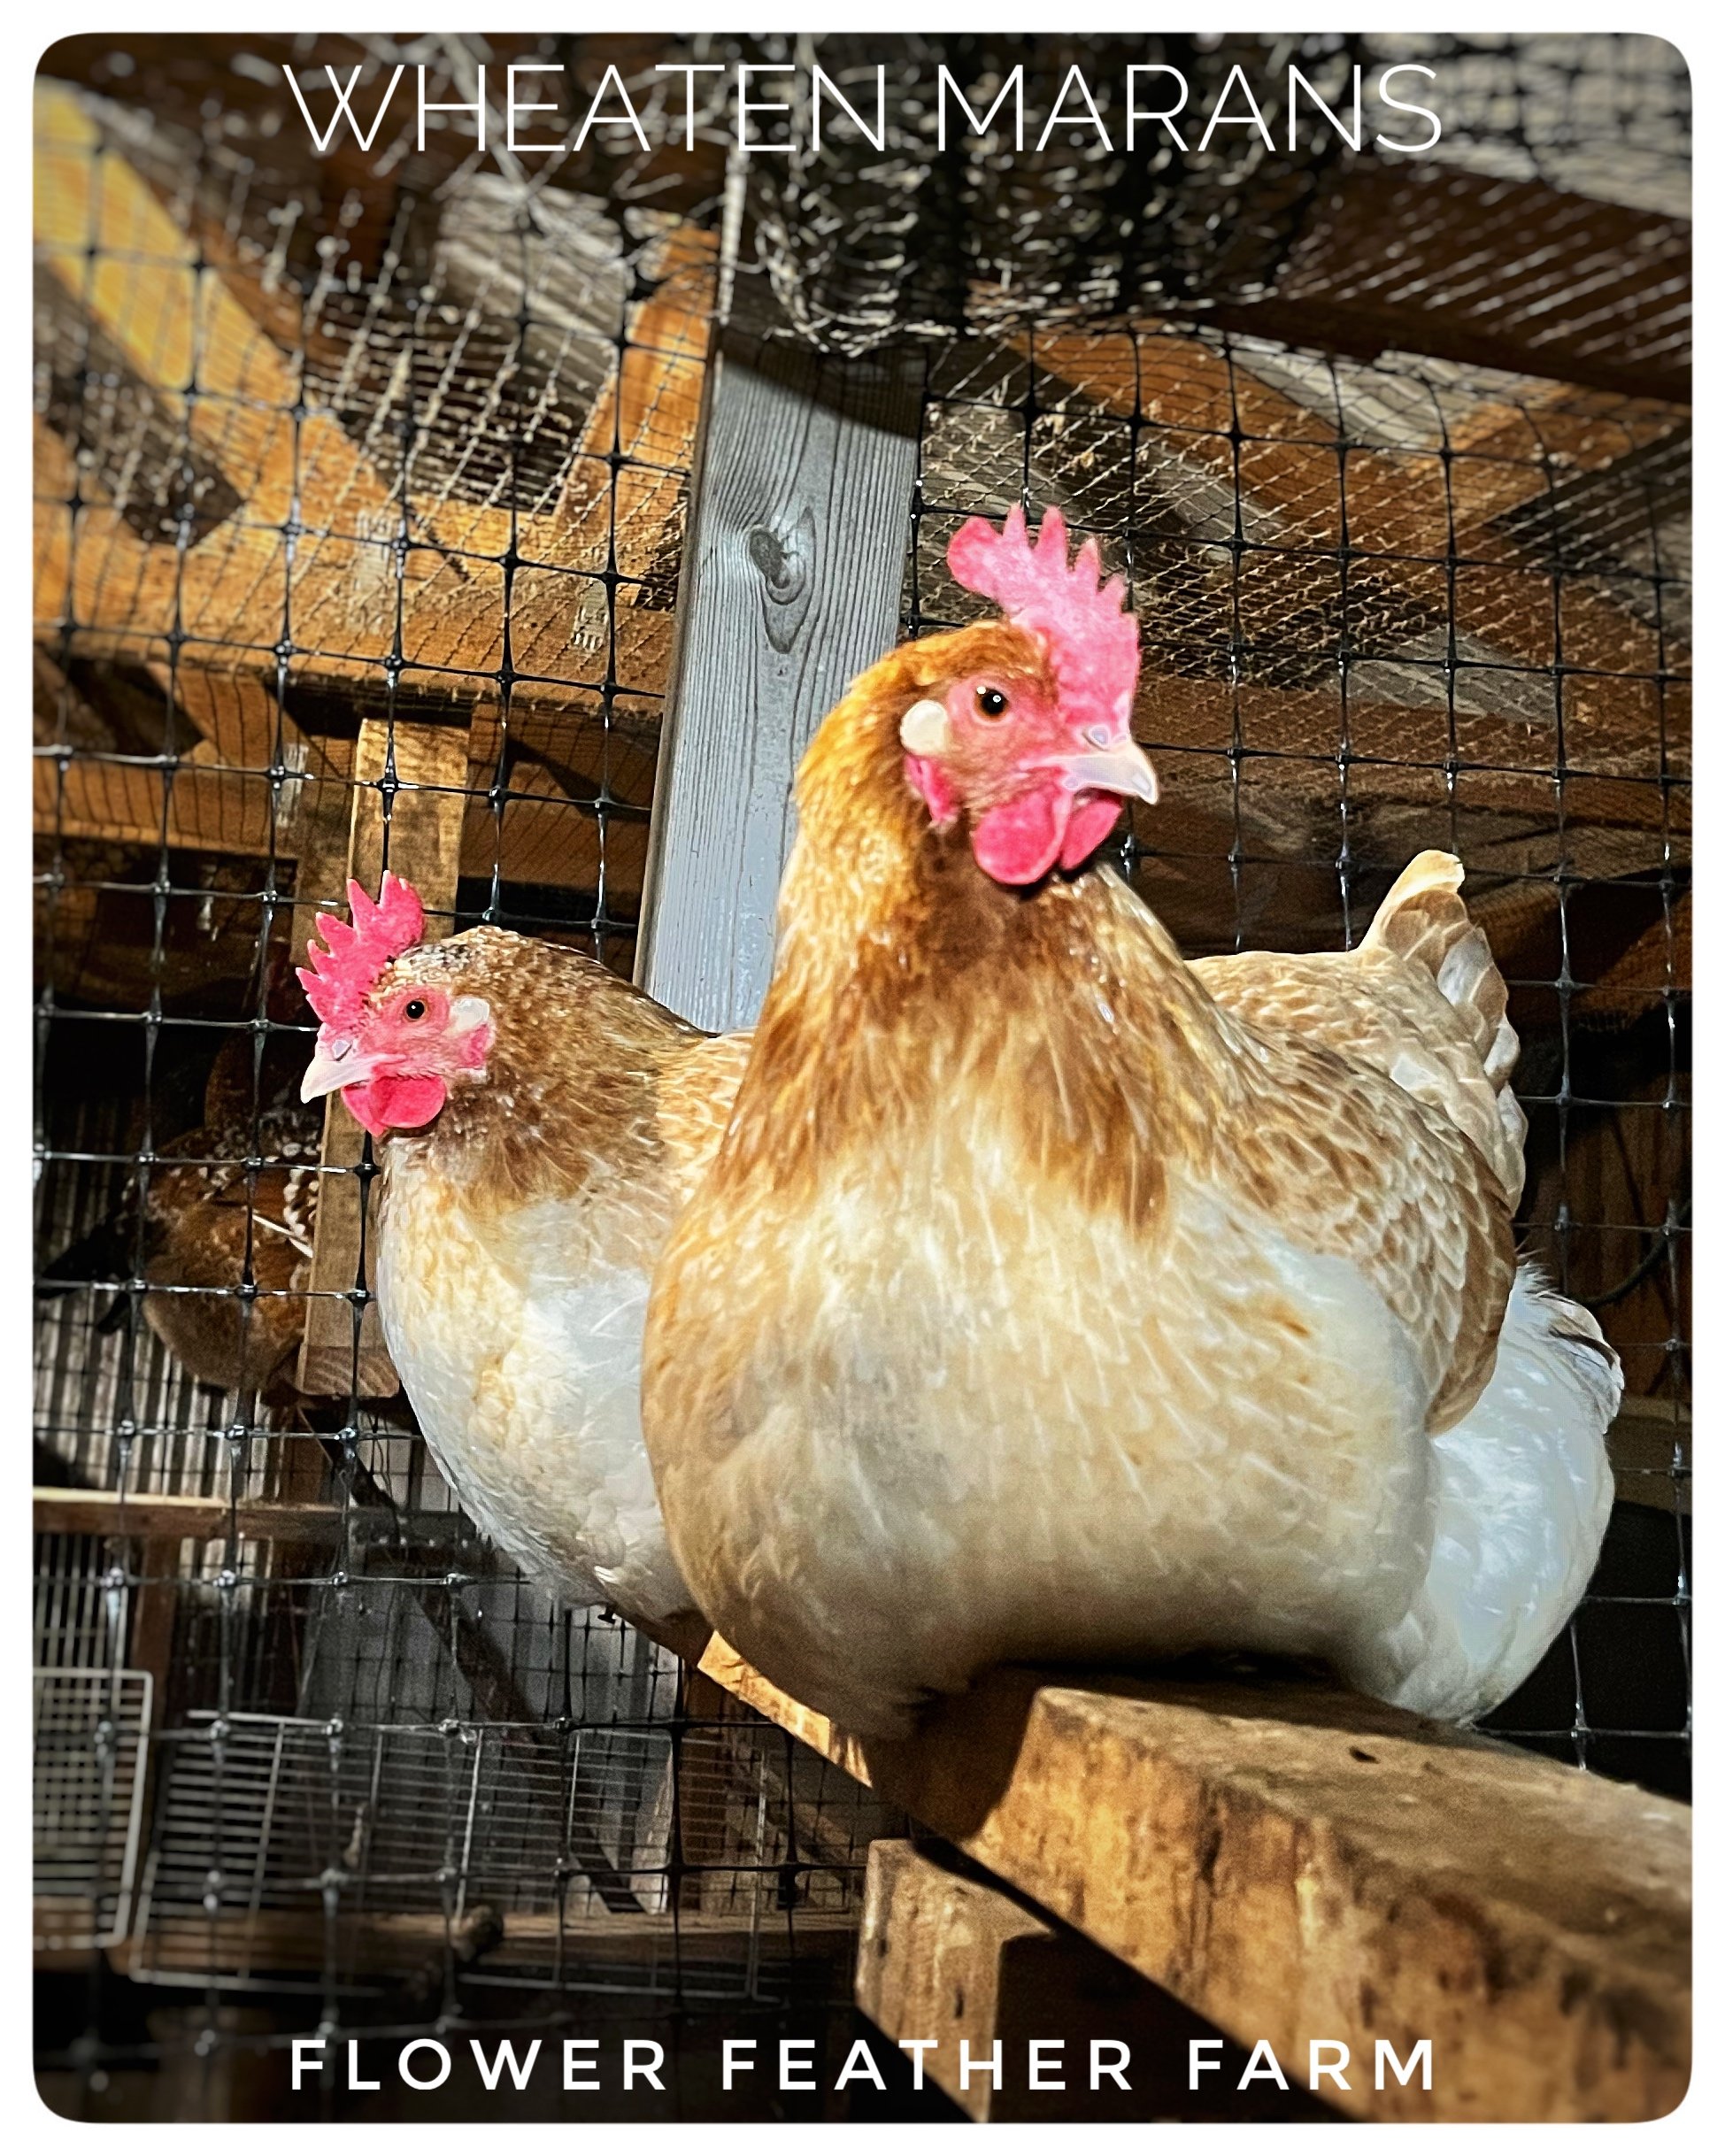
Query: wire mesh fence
[(360, 505)]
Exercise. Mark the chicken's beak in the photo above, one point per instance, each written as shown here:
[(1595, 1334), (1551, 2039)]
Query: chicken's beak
[(329, 1073), (1123, 769)]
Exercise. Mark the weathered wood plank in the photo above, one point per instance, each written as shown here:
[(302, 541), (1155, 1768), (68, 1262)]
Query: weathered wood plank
[(791, 573), (372, 1943), (162, 1523), (945, 1954), (417, 832), (1294, 1862)]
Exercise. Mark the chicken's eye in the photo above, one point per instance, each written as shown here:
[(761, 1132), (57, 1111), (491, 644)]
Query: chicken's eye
[(991, 702), (413, 1008)]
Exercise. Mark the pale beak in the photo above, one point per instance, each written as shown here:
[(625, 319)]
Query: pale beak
[(329, 1074), (1124, 769)]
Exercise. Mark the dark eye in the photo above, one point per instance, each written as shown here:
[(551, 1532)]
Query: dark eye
[(413, 1008), (991, 702)]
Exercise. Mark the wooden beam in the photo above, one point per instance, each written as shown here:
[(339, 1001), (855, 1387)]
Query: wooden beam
[(549, 834), (155, 1605), (170, 312), (1489, 271), (377, 1946), (706, 1783), (151, 804), (164, 1522), (106, 235), (417, 832), (792, 569), (1401, 516), (945, 1953), (646, 413), (115, 246), (1294, 1862)]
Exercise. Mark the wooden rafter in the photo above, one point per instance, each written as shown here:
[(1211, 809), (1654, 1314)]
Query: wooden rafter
[(1401, 511), (1468, 267), (107, 592)]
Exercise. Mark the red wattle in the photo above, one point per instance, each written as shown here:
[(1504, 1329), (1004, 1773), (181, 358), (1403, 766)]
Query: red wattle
[(1020, 841), (396, 1104), (1093, 816)]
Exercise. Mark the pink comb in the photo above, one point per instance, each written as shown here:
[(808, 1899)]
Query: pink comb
[(1091, 638), (343, 975)]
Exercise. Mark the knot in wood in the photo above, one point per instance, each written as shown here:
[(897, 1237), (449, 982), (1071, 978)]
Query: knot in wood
[(783, 556)]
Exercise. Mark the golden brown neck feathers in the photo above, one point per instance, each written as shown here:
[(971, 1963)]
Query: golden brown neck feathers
[(904, 972)]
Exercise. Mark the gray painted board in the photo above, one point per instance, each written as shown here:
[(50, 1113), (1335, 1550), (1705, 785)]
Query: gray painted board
[(793, 566)]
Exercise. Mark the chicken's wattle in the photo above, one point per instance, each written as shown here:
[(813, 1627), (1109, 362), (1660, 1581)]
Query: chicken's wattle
[(396, 1104), (1019, 842)]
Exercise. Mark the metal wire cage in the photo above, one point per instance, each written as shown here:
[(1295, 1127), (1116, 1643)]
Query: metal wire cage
[(360, 505)]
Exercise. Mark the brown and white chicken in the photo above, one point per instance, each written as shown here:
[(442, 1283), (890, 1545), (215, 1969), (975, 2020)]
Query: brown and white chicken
[(538, 1122), (1051, 1299), (218, 1226)]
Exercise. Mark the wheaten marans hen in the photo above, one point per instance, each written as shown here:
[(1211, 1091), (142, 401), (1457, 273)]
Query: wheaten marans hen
[(1050, 1299), (538, 1122)]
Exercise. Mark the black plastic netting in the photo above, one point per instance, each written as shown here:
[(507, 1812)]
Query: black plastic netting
[(1035, 220), (1019, 183)]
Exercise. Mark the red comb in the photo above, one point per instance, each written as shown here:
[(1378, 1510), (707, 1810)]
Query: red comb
[(343, 975), (1092, 640)]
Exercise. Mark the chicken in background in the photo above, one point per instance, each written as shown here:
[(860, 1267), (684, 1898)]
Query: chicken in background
[(539, 1122), (1052, 1300), (198, 1225)]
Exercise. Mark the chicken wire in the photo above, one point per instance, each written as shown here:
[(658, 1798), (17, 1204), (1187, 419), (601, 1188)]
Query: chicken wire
[(398, 449)]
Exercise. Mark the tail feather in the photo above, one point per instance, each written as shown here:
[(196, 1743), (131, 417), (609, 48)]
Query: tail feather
[(1425, 922), (1524, 1491)]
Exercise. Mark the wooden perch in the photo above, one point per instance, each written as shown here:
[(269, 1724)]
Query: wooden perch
[(945, 1954), (383, 1947), (1294, 1863)]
